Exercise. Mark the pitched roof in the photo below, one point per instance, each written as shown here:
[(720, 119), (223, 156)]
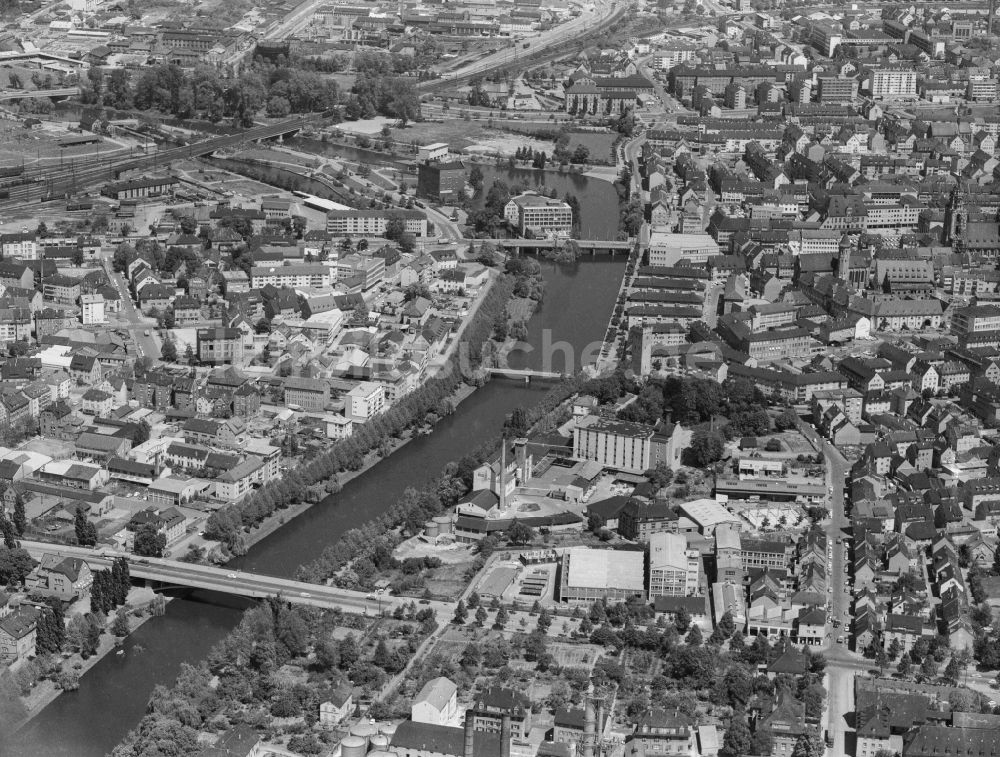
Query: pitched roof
[(443, 740), (437, 692)]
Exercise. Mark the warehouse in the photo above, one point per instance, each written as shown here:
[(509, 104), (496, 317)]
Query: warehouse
[(591, 574)]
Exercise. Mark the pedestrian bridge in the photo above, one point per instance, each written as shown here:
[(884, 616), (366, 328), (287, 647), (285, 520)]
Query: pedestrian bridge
[(164, 573)]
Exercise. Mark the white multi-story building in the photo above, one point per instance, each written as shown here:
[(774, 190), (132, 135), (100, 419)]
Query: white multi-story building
[(364, 401), (666, 249), (373, 223), (673, 567), (892, 82), (92, 309), (540, 215), (22, 245), (296, 275)]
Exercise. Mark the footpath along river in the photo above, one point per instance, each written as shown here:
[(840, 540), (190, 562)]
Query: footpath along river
[(113, 695)]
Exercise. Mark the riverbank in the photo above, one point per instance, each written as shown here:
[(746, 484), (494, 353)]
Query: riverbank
[(46, 691), (278, 519), (463, 391)]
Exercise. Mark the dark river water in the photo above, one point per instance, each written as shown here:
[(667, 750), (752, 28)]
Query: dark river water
[(113, 695)]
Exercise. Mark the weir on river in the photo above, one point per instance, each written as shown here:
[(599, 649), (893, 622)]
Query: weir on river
[(112, 696)]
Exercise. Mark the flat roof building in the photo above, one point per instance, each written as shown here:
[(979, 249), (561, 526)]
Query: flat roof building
[(590, 574), (708, 515)]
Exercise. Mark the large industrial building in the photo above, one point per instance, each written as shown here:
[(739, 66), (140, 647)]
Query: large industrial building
[(591, 574)]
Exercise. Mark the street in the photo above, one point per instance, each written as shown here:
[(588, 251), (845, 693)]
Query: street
[(841, 665), (590, 16), (147, 346)]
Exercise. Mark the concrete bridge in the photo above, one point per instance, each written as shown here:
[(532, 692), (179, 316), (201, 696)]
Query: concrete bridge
[(588, 245), (526, 373), (165, 574), (8, 95)]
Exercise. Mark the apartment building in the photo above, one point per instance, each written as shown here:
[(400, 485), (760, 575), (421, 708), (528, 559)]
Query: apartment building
[(373, 223), (364, 401), (220, 346), (292, 276), (892, 82)]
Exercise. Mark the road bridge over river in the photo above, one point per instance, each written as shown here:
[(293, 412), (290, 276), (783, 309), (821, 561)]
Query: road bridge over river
[(165, 573)]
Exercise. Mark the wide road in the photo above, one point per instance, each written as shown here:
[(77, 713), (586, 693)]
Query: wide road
[(147, 346), (842, 666), (240, 583), (591, 17)]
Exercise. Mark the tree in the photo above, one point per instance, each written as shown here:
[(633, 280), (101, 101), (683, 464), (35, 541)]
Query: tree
[(519, 534), (149, 542), (706, 448), (120, 627), (737, 741), (813, 697), (929, 668), (9, 536), (15, 564), (727, 627), (682, 621), (502, 617), (953, 670), (904, 665), (481, 616), (86, 532), (83, 633), (693, 639), (471, 658), (476, 179), (895, 647), (581, 154), (808, 745), (461, 614), (51, 628), (168, 352), (786, 419), (382, 656), (661, 475), (762, 741)]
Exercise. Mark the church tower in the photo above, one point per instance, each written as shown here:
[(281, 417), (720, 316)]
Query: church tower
[(955, 217)]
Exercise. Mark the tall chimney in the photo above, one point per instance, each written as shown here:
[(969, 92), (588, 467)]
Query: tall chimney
[(600, 720), (470, 734), (503, 473), (589, 729), (521, 450), (989, 17), (505, 735)]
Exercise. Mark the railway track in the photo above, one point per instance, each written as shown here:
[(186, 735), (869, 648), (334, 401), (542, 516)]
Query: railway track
[(55, 182)]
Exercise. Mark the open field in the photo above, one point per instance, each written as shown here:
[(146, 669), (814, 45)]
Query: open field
[(598, 143)]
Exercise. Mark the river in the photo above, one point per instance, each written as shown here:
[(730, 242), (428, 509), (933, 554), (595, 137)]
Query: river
[(113, 695)]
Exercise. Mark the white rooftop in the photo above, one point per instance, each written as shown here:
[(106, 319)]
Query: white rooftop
[(606, 568)]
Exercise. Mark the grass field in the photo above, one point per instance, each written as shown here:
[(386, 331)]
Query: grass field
[(598, 143)]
